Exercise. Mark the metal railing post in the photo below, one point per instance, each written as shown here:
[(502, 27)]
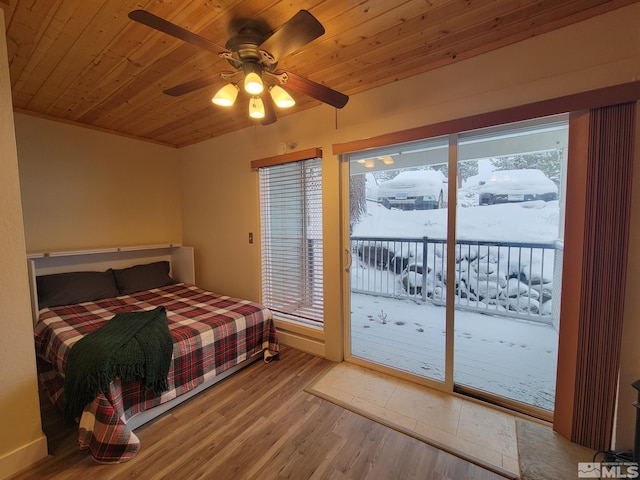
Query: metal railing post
[(425, 250), (372, 276)]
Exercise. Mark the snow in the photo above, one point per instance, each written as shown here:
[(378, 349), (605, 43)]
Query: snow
[(504, 356), (501, 355), (371, 187), (527, 180), (535, 221), (416, 179), (413, 187)]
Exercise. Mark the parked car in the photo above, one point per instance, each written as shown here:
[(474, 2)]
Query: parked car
[(414, 189), (503, 186), (371, 187)]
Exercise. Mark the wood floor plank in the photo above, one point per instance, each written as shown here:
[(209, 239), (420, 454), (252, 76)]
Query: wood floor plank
[(258, 424)]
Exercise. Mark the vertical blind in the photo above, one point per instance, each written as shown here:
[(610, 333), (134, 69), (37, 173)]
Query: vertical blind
[(607, 221), (291, 222)]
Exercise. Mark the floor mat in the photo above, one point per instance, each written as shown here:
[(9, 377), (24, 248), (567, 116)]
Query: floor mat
[(545, 454)]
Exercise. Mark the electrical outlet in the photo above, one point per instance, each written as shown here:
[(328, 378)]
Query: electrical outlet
[(250, 237)]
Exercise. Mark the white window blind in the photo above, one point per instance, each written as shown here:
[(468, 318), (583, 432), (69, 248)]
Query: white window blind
[(291, 222)]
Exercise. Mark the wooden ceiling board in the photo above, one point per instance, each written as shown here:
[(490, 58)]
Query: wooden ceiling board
[(44, 77), (177, 63), (87, 63), (138, 58), (438, 39)]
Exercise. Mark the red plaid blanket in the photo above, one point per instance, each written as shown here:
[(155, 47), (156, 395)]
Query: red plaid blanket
[(211, 333)]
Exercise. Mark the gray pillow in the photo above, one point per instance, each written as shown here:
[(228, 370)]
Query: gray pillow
[(143, 277), (75, 287)]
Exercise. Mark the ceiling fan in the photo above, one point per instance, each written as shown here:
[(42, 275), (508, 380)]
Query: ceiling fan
[(254, 57)]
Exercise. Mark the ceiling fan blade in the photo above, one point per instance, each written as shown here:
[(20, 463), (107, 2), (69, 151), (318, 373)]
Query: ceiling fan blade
[(269, 111), (301, 29), (157, 23), (315, 90), (192, 85)]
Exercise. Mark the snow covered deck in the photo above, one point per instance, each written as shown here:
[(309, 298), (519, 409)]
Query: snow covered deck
[(504, 356)]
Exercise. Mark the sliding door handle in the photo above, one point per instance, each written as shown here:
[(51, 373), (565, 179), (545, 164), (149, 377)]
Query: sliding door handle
[(349, 259)]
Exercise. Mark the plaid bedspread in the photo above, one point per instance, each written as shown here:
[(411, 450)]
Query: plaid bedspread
[(211, 333)]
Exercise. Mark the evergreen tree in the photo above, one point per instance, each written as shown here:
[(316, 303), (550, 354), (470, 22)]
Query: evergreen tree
[(467, 169)]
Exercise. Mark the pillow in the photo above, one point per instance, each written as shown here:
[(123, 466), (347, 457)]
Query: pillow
[(75, 287), (143, 277)]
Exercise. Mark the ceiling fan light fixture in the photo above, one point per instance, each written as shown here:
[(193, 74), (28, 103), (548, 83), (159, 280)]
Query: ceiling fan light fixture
[(252, 79), (256, 108), (226, 96), (281, 97), (253, 53)]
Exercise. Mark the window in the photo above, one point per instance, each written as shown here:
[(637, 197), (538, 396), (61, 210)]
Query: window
[(291, 223)]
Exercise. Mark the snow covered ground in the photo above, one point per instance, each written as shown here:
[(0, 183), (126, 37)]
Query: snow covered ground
[(508, 357), (535, 221), (504, 356)]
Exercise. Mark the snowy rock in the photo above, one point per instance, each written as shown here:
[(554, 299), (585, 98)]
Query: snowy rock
[(523, 305), (515, 288), (412, 283)]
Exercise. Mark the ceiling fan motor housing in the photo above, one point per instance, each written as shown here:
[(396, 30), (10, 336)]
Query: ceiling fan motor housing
[(245, 45)]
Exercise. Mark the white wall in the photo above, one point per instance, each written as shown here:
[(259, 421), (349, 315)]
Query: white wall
[(21, 441), (82, 188), (217, 173)]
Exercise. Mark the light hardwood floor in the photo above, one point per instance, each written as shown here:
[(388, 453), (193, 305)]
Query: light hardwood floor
[(259, 424)]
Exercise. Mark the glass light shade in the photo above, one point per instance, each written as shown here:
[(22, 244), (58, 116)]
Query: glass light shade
[(369, 163), (281, 98), (226, 96), (387, 160), (253, 83), (256, 108)]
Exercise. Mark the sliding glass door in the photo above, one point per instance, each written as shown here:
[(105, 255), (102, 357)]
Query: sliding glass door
[(398, 226), (498, 310), (509, 228)]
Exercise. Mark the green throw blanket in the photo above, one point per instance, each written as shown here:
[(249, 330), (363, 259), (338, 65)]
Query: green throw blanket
[(132, 346)]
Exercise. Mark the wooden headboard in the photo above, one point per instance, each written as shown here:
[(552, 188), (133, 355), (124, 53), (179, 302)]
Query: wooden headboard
[(180, 259)]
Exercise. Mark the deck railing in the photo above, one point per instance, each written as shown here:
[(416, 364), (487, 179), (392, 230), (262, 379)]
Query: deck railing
[(514, 279)]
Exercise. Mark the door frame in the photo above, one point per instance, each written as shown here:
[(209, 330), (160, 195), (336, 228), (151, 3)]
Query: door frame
[(448, 384), (573, 103)]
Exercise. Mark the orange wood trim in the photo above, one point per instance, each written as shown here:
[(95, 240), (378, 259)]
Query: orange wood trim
[(287, 158), (571, 271), (626, 92)]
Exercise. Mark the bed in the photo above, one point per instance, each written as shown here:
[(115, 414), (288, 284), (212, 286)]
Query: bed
[(212, 336)]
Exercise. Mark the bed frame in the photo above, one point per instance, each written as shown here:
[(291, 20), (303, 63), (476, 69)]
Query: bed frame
[(181, 261)]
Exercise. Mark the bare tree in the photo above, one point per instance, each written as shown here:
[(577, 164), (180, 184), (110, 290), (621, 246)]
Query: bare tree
[(357, 199)]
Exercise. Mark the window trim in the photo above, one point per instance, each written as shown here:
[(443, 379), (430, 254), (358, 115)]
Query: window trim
[(600, 97), (306, 154)]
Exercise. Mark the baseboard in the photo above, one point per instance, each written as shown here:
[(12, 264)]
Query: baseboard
[(299, 342), (22, 457)]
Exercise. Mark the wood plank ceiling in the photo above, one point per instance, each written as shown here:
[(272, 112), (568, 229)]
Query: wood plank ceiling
[(86, 62)]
